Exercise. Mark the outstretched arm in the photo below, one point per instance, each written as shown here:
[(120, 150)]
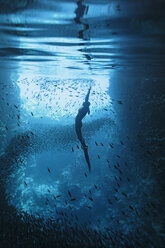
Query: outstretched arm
[(87, 96)]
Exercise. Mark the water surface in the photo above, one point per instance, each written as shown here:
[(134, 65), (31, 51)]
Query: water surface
[(50, 54)]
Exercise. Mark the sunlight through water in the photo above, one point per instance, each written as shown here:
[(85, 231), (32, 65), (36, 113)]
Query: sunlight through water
[(59, 99)]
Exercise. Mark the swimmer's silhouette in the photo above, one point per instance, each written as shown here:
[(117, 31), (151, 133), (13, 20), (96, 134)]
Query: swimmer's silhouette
[(78, 125), (80, 11)]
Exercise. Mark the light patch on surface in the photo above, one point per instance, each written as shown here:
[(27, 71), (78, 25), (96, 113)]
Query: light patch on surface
[(67, 173), (60, 99), (42, 189), (28, 195)]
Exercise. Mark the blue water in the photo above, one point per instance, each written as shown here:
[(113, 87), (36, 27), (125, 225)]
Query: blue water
[(51, 52)]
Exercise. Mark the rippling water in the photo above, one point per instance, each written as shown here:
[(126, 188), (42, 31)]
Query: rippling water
[(75, 39), (51, 52)]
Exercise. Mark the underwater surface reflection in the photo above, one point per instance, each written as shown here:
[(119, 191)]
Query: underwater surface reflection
[(51, 53)]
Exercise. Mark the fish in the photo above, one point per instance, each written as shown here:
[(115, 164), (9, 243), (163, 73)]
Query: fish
[(118, 184), (124, 194), (96, 143), (77, 146), (48, 190), (48, 170), (109, 201), (119, 102), (128, 179), (25, 183), (69, 194), (131, 207), (95, 186), (118, 156), (115, 178), (136, 212), (115, 189), (111, 145), (105, 109), (72, 149), (118, 164), (116, 198), (90, 198), (102, 144), (58, 196), (98, 156), (32, 113), (73, 199), (85, 174), (123, 213)]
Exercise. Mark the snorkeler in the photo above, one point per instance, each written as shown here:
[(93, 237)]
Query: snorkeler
[(78, 125)]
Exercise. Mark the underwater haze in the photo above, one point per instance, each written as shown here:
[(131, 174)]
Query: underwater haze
[(82, 139)]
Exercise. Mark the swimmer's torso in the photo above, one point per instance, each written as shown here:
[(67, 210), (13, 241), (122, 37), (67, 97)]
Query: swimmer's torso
[(82, 113)]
